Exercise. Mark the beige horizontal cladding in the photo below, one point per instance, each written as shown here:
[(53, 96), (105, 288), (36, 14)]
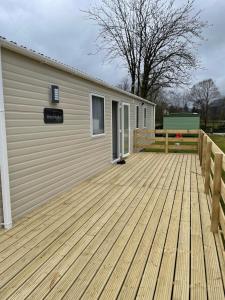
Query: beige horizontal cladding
[(48, 159), (1, 208)]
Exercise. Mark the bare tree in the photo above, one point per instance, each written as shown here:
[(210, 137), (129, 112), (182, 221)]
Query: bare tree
[(202, 94), (124, 84), (156, 39)]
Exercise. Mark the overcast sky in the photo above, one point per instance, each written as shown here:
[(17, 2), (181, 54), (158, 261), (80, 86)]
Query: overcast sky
[(60, 30)]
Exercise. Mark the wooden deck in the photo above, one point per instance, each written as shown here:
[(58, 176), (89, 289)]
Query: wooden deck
[(135, 231)]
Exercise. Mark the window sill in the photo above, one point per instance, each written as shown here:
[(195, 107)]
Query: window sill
[(98, 135)]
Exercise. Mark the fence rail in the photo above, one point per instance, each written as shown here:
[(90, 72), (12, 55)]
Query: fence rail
[(212, 161), (188, 140)]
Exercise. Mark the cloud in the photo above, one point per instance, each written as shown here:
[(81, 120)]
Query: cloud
[(60, 30), (212, 51)]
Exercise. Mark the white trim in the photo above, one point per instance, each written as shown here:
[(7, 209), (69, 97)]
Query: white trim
[(118, 130), (52, 62), (91, 120), (6, 203), (115, 160), (122, 127)]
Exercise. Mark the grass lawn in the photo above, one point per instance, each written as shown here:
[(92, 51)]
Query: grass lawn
[(219, 140), (174, 150)]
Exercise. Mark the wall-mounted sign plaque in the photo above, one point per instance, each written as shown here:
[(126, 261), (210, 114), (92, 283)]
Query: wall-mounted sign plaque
[(53, 115)]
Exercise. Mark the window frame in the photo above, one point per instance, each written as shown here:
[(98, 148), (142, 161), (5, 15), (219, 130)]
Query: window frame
[(145, 117), (91, 115), (137, 117), (129, 129)]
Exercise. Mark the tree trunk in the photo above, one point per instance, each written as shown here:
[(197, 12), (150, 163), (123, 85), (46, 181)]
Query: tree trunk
[(144, 87), (133, 84)]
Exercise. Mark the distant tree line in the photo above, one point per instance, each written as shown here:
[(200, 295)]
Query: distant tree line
[(203, 97)]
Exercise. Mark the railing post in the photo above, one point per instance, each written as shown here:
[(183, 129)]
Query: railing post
[(166, 143), (201, 147), (204, 153), (218, 159), (207, 166)]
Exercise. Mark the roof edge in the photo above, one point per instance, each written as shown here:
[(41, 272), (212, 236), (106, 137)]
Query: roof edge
[(58, 65)]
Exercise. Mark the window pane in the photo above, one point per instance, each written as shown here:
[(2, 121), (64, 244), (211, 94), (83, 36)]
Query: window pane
[(145, 116), (126, 129), (98, 115), (137, 116)]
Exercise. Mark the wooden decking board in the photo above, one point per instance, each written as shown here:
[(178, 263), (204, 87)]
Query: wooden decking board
[(130, 285), (111, 172), (221, 258), (215, 282), (91, 232), (12, 243), (31, 217), (182, 268), (101, 248), (166, 275), (52, 231), (153, 263), (68, 238), (48, 251), (37, 215), (69, 279), (213, 273), (56, 215), (122, 179), (198, 274), (118, 261), (134, 231)]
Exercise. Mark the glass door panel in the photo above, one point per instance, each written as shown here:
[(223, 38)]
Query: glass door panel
[(126, 129)]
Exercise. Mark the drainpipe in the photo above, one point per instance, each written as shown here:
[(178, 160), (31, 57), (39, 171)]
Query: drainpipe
[(6, 203)]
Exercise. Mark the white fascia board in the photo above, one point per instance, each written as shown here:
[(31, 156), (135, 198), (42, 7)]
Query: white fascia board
[(6, 202)]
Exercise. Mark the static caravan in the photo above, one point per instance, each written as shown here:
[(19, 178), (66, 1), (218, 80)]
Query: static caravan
[(58, 126), (187, 121)]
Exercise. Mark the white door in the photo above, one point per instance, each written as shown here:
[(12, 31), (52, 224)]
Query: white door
[(125, 111)]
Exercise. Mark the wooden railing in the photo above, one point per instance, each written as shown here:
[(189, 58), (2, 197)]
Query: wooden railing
[(166, 140), (212, 161)]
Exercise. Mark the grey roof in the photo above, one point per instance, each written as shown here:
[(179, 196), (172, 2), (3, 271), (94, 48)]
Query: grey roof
[(13, 46)]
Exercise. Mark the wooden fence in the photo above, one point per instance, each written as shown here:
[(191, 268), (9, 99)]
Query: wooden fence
[(166, 140), (212, 161)]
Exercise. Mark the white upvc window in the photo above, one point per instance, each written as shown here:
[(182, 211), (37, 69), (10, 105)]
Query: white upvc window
[(97, 115), (137, 116), (145, 117)]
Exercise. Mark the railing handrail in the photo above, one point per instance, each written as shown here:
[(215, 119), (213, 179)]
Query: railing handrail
[(140, 135), (212, 160), (169, 131)]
